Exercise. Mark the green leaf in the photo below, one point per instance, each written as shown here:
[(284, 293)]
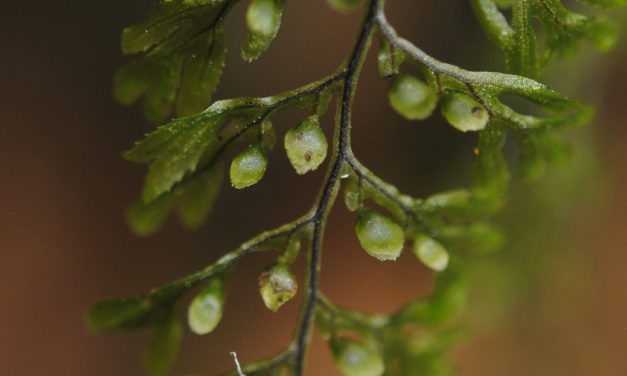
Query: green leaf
[(183, 49), (199, 195), (563, 30), (268, 135), (422, 350), (122, 314), (605, 3), (459, 206), (292, 248), (357, 359), (446, 304), (378, 235), (411, 97), (537, 149), (352, 193), (129, 83), (163, 21), (523, 58), (487, 87), (118, 314), (490, 172), (205, 311), (165, 343), (264, 20), (248, 167), (157, 80), (323, 101), (173, 150), (450, 296), (202, 69), (151, 147), (448, 201), (389, 59), (566, 29), (179, 156), (145, 219), (478, 237), (494, 22), (306, 145), (345, 6)]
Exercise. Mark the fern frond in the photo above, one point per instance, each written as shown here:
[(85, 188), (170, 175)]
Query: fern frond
[(183, 49)]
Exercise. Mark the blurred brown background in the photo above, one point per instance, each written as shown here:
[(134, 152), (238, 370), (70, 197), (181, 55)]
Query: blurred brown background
[(552, 302)]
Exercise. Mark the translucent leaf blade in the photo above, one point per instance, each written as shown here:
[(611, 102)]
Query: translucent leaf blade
[(264, 20), (118, 314), (199, 196), (165, 343), (202, 71)]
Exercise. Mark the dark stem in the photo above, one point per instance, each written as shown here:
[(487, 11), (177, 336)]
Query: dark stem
[(362, 173), (329, 189)]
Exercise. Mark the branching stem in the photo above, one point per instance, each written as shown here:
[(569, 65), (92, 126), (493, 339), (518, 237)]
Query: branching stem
[(189, 146), (331, 185), (366, 322), (388, 191)]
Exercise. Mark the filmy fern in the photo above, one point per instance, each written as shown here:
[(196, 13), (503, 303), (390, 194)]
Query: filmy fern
[(181, 48)]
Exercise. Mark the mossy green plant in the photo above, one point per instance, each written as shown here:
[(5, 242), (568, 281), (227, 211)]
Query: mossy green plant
[(182, 48)]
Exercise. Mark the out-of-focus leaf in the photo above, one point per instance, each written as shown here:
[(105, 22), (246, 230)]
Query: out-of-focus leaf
[(354, 358), (345, 6), (117, 314), (490, 172), (605, 3), (199, 195), (147, 218), (537, 149), (564, 30), (431, 253), (165, 343), (183, 49), (264, 20)]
